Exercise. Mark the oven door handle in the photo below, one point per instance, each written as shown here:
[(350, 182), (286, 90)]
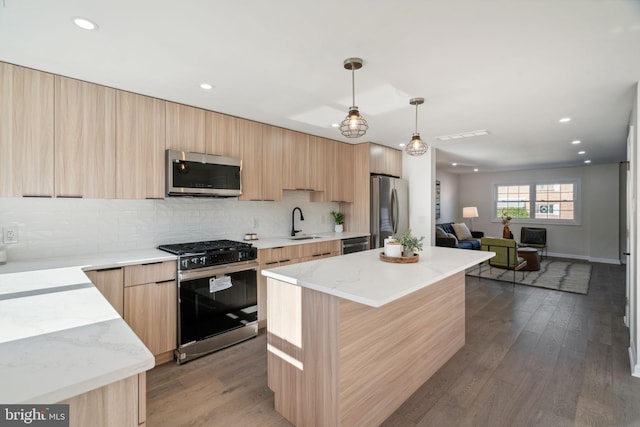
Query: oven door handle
[(216, 271)]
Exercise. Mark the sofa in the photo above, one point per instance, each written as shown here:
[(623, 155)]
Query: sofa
[(446, 236)]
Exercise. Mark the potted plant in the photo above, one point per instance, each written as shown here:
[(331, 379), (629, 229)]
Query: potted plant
[(410, 243), (338, 219)]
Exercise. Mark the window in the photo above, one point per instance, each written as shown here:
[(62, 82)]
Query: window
[(538, 202)]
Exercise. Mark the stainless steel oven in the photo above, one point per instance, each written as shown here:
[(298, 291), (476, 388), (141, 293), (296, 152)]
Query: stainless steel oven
[(217, 296)]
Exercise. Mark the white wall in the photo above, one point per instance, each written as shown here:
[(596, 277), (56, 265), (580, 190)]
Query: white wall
[(633, 277), (420, 172), (450, 210), (595, 239), (57, 227)]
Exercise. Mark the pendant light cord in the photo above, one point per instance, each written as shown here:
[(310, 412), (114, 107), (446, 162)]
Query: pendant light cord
[(416, 118), (353, 85)]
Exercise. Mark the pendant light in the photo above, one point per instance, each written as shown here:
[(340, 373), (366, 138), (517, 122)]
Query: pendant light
[(416, 147), (354, 125)]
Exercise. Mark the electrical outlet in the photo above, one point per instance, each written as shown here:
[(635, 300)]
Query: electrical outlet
[(255, 222), (10, 234)]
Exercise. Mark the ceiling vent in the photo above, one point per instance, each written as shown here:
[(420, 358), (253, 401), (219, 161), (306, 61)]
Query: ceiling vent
[(463, 135)]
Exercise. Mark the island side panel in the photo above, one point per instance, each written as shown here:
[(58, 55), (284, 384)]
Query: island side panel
[(302, 354), (387, 353)]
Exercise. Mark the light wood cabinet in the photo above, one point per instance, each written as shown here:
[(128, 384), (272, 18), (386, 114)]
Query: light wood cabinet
[(299, 163), (320, 250), (85, 140), (140, 152), (109, 282), (261, 152), (185, 128), (385, 160), (26, 132), (150, 306), (222, 134), (338, 161)]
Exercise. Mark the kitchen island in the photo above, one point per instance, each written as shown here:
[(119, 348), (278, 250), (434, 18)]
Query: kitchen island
[(350, 338)]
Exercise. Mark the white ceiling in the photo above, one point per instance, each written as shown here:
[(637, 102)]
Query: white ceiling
[(513, 67)]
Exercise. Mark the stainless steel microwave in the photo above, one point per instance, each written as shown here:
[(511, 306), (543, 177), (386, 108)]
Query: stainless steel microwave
[(197, 174)]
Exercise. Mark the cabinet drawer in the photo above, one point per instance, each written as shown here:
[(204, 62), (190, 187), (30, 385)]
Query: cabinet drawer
[(149, 273), (320, 249), (278, 256)]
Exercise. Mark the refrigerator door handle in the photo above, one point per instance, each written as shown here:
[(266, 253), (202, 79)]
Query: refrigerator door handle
[(394, 211)]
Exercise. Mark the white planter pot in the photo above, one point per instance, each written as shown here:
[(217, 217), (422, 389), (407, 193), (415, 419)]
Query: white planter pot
[(339, 228)]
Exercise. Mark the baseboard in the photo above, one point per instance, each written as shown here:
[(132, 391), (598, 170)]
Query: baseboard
[(584, 258), (633, 361)]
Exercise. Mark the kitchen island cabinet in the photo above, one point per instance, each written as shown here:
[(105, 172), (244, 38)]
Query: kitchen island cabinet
[(350, 338)]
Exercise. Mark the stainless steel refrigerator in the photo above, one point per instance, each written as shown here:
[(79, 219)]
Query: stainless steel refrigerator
[(389, 208)]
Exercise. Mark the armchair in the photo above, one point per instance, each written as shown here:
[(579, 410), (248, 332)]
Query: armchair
[(506, 255), (535, 238)]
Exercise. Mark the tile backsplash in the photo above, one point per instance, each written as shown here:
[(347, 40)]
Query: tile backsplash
[(59, 226)]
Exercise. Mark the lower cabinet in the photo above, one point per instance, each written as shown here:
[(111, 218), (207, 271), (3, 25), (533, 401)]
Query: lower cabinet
[(150, 310), (109, 283), (150, 306), (286, 255)]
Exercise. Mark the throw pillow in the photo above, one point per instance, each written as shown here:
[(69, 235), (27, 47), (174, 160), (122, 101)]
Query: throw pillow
[(453, 236), (440, 232), (462, 231)]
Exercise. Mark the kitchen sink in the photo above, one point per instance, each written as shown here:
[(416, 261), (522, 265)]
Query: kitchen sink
[(305, 237)]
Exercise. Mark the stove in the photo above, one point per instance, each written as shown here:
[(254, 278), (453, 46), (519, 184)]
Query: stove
[(210, 253), (217, 295)]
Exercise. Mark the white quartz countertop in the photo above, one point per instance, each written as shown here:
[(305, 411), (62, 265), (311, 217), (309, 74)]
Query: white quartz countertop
[(274, 242), (59, 337), (364, 278)]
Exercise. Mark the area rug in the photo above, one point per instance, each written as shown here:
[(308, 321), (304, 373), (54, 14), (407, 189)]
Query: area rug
[(553, 274)]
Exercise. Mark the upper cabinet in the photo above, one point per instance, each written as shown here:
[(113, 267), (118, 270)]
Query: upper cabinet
[(85, 140), (139, 146), (261, 153), (385, 160), (299, 162), (335, 159), (185, 128), (222, 134), (26, 132)]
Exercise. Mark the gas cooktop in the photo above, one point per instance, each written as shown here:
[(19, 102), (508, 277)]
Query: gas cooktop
[(210, 253), (203, 247)]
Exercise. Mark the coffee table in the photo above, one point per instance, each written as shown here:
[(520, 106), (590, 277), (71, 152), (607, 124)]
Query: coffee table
[(532, 257)]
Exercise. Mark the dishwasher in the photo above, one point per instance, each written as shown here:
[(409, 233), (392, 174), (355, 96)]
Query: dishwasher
[(355, 244)]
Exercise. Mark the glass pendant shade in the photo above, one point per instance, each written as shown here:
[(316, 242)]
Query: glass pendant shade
[(354, 125), (416, 147)]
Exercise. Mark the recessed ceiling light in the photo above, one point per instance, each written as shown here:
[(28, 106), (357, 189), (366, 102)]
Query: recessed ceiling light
[(335, 125), (475, 170), (85, 24), (454, 164), (565, 119), (206, 86), (402, 144), (576, 141), (587, 161), (581, 152)]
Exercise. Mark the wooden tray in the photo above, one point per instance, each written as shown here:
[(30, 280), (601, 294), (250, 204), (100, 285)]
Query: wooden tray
[(400, 260)]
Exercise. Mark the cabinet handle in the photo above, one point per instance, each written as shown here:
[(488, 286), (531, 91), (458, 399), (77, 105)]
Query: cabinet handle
[(69, 196), (271, 262), (107, 269), (152, 263), (37, 195), (165, 281), (285, 260)]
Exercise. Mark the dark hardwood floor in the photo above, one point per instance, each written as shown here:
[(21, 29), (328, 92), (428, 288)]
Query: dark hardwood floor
[(533, 357)]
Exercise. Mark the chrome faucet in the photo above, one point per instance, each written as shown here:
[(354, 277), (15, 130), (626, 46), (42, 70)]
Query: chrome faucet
[(293, 225)]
